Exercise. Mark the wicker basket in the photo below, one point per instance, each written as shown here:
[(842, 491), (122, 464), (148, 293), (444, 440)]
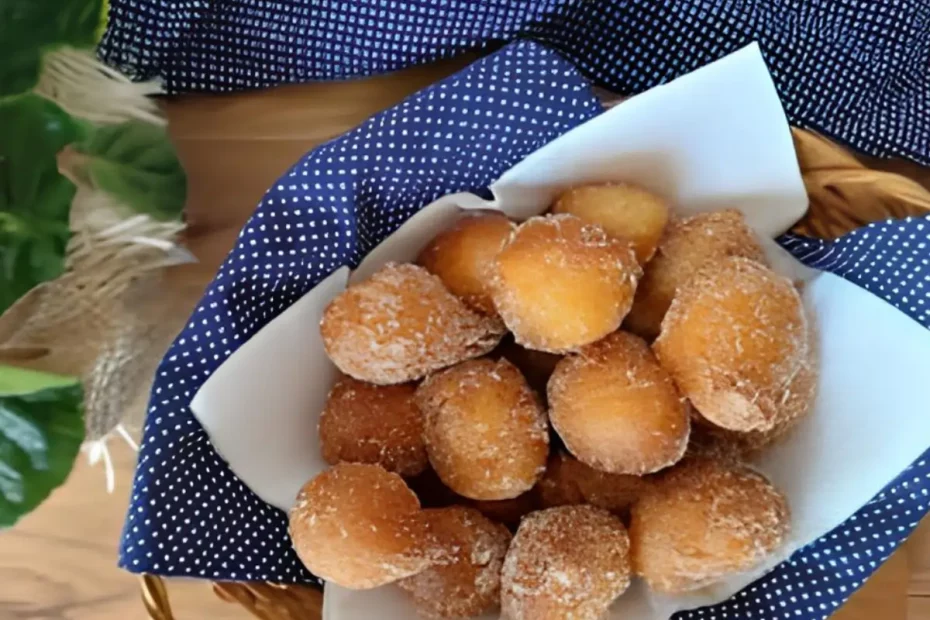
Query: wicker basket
[(844, 195)]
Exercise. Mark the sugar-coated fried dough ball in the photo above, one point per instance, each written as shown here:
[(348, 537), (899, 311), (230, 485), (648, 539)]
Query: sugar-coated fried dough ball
[(432, 492), (702, 521), (617, 409), (734, 340), (536, 366), (800, 396), (464, 580), (559, 486), (486, 433), (366, 423), (461, 256), (507, 511), (357, 525), (687, 245), (561, 283), (567, 562), (623, 210), (402, 324), (570, 482)]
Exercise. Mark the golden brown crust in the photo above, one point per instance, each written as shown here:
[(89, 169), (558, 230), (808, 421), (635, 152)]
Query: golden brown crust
[(462, 255), (464, 580), (703, 520), (801, 393), (567, 562), (569, 482), (617, 409), (366, 423), (687, 245), (623, 210), (400, 325), (735, 339), (507, 511), (486, 433), (561, 284), (536, 366), (357, 526)]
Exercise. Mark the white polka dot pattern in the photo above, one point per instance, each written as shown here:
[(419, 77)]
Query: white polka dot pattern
[(856, 69), (190, 516)]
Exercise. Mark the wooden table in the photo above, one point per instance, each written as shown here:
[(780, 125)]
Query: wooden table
[(59, 563)]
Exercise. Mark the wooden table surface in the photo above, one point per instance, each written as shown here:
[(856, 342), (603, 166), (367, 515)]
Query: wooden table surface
[(60, 562)]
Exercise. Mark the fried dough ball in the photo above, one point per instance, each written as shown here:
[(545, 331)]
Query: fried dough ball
[(357, 525), (561, 283), (461, 256), (507, 511), (464, 580), (567, 562), (402, 324), (687, 245), (536, 366), (623, 210), (703, 520), (365, 423), (617, 409), (559, 486), (570, 482), (486, 433), (735, 339), (432, 492), (799, 401)]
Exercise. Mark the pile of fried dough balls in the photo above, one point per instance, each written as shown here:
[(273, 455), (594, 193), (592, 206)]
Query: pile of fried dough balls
[(535, 413)]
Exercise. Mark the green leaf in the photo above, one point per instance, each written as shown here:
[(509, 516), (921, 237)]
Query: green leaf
[(35, 199), (137, 163), (28, 28), (32, 132), (40, 435), (15, 381)]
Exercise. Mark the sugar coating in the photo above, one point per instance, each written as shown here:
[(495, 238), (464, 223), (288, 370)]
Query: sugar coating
[(560, 283), (687, 245), (569, 482), (617, 409), (485, 430), (464, 579), (357, 525), (623, 210), (798, 401), (566, 563), (507, 511), (703, 520), (432, 492), (400, 325), (462, 255), (735, 339), (367, 423), (536, 366)]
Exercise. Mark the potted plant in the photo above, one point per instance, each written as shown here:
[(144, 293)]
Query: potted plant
[(91, 192)]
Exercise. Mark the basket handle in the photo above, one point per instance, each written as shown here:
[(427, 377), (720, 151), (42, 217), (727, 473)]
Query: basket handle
[(155, 597), (845, 194)]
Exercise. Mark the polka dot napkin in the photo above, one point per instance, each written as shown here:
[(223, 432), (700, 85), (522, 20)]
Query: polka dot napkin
[(190, 516), (855, 69)]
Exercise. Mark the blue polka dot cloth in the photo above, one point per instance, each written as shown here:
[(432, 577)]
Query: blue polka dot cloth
[(190, 515), (857, 70)]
